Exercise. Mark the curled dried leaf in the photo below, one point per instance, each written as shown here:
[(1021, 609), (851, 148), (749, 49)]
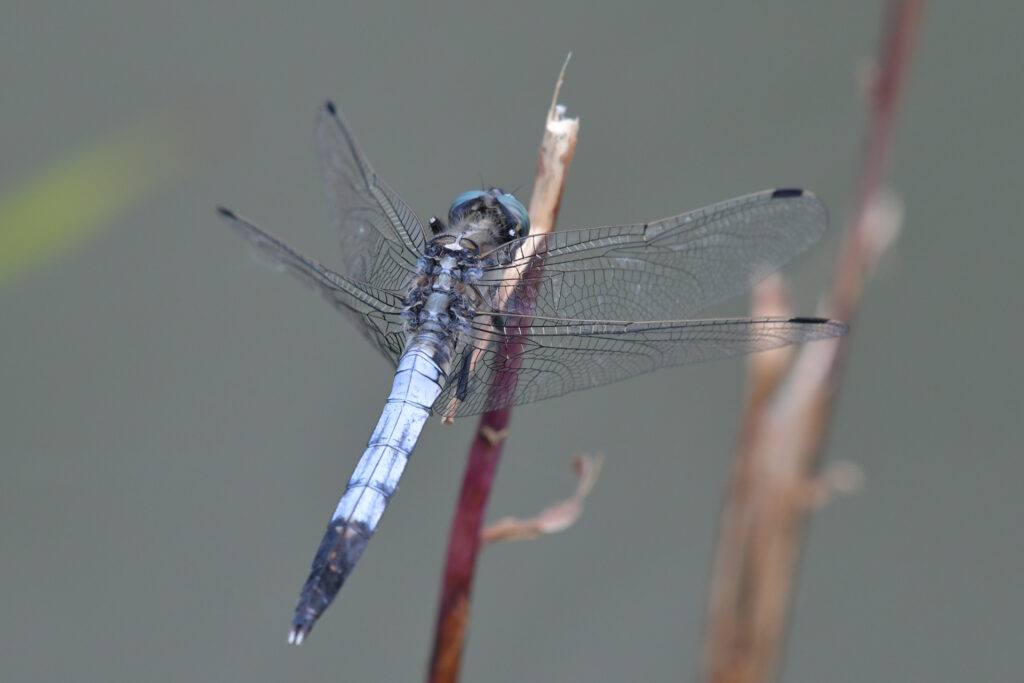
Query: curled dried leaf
[(557, 517)]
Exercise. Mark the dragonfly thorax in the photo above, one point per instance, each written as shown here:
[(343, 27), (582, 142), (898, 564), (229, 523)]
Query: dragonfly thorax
[(441, 297)]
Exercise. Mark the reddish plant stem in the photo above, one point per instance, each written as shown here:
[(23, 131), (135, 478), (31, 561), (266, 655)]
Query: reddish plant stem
[(464, 546), (465, 542)]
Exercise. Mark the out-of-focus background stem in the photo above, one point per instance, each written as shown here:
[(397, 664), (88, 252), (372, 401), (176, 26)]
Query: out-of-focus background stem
[(777, 479)]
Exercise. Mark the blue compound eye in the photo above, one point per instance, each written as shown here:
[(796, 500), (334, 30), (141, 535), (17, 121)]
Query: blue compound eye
[(462, 204), (516, 214)]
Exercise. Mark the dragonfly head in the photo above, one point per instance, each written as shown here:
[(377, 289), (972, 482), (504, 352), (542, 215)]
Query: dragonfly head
[(498, 208)]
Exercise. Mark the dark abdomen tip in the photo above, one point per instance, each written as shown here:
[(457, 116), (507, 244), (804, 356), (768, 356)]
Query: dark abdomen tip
[(340, 548)]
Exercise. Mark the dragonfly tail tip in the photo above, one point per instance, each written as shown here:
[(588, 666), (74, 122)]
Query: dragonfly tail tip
[(297, 635)]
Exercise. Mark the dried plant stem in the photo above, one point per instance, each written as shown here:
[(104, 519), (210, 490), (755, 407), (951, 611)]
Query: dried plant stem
[(464, 543), (775, 481)]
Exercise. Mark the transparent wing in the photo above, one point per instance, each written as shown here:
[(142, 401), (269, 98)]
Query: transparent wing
[(380, 237), (376, 312), (667, 270), (549, 357), (598, 305)]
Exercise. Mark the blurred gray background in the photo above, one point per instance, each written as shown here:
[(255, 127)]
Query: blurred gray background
[(177, 421)]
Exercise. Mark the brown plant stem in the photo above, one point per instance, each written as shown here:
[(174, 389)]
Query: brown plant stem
[(464, 543), (776, 480)]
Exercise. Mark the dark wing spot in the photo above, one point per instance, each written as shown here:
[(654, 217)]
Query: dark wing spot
[(809, 321), (787, 192), (226, 212), (331, 108), (463, 386)]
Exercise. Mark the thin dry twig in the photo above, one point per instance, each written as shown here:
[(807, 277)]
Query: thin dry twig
[(554, 518), (776, 479), (556, 151)]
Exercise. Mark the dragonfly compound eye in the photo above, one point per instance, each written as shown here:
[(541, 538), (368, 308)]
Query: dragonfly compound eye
[(463, 204), (515, 213)]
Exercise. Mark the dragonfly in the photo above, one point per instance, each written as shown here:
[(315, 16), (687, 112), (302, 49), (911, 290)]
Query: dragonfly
[(477, 314)]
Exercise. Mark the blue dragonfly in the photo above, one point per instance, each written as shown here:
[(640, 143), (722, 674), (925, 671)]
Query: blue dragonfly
[(474, 299)]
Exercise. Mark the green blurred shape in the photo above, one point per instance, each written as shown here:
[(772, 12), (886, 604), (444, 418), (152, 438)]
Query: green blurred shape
[(73, 198)]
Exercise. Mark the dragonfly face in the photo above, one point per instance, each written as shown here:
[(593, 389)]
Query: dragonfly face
[(585, 306), (481, 221), (501, 209)]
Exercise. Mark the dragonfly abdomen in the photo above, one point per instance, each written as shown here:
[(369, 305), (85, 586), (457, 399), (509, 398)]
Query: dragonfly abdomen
[(421, 375)]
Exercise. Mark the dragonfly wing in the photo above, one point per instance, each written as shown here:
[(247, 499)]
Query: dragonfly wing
[(545, 357), (381, 238), (666, 270), (376, 312)]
